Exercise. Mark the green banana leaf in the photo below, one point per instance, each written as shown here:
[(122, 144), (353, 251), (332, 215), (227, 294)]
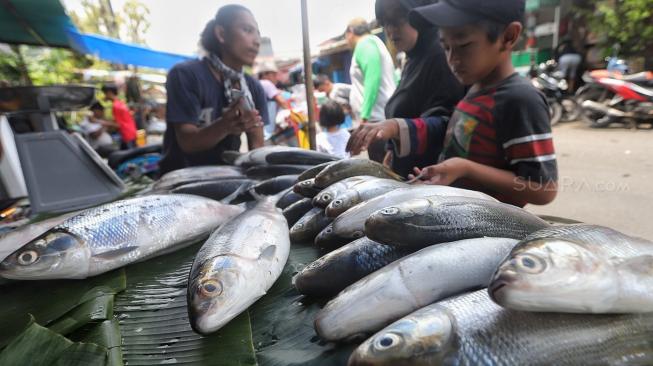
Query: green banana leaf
[(105, 334), (56, 303), (37, 345)]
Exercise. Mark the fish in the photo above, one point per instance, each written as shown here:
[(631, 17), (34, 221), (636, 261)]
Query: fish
[(419, 279), (254, 157), (299, 157), (438, 219), (331, 192), (288, 199), (309, 226), (333, 272), (297, 210), (113, 235), (350, 225), (306, 188), (361, 193), (197, 174), (216, 189), (267, 187), (311, 173), (577, 269), (237, 265), (263, 172), (348, 168), (472, 330)]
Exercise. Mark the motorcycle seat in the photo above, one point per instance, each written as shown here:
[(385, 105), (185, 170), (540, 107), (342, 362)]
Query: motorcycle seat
[(119, 157), (643, 78)]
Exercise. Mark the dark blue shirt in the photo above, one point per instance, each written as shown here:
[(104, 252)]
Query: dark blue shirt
[(195, 96)]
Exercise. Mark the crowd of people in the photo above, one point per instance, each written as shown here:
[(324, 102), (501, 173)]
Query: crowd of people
[(459, 115)]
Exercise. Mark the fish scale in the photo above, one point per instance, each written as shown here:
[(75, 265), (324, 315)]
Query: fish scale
[(491, 335)]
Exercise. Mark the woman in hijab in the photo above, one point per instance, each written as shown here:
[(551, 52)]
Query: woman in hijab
[(427, 92), (211, 102)]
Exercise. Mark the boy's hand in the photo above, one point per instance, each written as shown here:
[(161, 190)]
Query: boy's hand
[(443, 174), (367, 133)]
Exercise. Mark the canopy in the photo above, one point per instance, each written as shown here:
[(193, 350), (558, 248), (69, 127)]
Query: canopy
[(34, 22), (115, 51)]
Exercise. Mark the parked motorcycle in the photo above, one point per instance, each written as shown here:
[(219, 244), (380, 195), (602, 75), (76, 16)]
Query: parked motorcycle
[(629, 101), (562, 105)]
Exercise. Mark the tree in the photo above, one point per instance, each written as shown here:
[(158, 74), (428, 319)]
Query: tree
[(98, 17), (136, 24), (626, 22)]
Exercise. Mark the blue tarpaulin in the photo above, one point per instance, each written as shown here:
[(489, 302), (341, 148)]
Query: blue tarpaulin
[(118, 52)]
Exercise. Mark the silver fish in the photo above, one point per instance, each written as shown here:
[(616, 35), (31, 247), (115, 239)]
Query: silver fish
[(306, 188), (113, 235), (577, 269), (347, 168), (438, 219), (472, 330), (330, 193), (351, 225), (237, 265), (417, 280), (195, 175), (305, 230), (361, 193)]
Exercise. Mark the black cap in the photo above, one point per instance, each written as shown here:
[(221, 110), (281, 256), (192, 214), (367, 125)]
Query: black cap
[(456, 13)]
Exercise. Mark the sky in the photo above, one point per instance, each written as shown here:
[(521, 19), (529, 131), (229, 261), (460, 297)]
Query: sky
[(176, 25)]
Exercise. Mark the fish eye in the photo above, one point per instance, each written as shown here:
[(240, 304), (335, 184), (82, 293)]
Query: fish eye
[(299, 226), (337, 203), (530, 264), (387, 341), (358, 234), (328, 230), (27, 257), (211, 288), (326, 197), (390, 211)]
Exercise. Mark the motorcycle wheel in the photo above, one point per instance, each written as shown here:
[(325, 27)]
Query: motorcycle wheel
[(571, 110), (555, 110)]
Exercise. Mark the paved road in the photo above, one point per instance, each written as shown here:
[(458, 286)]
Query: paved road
[(606, 178)]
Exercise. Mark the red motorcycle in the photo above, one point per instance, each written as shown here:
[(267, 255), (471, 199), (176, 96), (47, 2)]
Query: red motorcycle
[(630, 100)]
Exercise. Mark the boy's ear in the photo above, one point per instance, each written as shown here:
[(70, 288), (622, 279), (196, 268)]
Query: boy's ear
[(511, 36)]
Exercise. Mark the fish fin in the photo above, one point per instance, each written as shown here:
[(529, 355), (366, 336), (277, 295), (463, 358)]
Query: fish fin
[(230, 157), (112, 254), (240, 193), (268, 253), (640, 265)]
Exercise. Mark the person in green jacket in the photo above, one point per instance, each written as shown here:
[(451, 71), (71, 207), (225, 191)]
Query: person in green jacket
[(372, 78)]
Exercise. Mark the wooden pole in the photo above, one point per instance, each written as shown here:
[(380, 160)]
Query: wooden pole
[(308, 77)]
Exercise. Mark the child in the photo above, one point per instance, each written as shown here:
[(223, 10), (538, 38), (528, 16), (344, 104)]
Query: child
[(499, 138), (334, 139)]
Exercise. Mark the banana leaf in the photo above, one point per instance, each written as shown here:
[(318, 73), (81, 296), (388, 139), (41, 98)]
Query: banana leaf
[(50, 301), (37, 345), (105, 334)]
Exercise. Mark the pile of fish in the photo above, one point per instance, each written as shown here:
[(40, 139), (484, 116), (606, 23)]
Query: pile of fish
[(413, 258), (429, 275)]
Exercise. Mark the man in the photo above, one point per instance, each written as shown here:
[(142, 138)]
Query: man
[(337, 92), (267, 74), (94, 129), (122, 117), (372, 77)]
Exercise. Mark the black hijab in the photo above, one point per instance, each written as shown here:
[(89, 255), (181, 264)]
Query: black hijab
[(427, 85)]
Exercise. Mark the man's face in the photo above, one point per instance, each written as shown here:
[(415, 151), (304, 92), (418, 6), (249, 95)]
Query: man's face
[(350, 38), (470, 54), (325, 87), (243, 39)]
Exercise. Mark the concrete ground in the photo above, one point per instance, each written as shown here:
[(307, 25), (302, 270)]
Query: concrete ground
[(606, 178)]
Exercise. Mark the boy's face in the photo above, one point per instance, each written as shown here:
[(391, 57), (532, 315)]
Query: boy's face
[(470, 54)]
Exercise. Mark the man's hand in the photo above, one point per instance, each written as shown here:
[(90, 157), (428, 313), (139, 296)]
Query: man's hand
[(367, 133), (236, 120), (443, 174)]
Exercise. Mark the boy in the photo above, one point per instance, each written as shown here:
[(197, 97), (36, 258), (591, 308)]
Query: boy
[(122, 117), (334, 139), (499, 138)]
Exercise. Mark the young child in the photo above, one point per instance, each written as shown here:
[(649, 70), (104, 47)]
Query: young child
[(334, 139), (499, 138)]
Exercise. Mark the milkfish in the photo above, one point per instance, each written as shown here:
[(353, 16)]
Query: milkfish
[(113, 235), (577, 269), (237, 265)]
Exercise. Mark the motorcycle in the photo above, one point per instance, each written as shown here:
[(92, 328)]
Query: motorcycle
[(562, 105), (630, 101)]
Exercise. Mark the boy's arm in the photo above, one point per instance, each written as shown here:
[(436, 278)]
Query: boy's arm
[(501, 181), (368, 57), (409, 137)]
